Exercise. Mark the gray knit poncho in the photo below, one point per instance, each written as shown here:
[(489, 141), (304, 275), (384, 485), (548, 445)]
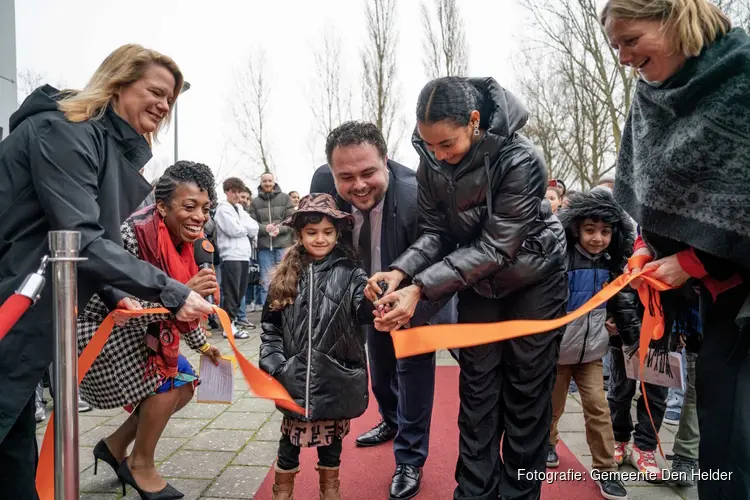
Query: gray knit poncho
[(684, 166)]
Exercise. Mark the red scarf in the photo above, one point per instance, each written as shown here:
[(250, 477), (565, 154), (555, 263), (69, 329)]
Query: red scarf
[(156, 247)]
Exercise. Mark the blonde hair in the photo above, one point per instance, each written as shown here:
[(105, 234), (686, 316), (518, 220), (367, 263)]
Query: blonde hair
[(121, 68), (695, 23)]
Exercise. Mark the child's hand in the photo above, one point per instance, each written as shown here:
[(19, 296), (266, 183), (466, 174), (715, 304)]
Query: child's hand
[(610, 326), (374, 291)]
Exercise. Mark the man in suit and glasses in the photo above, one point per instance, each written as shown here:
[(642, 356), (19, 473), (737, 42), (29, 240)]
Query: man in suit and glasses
[(382, 196)]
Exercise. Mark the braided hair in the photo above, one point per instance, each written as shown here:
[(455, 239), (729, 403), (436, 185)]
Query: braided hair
[(448, 98), (183, 172)]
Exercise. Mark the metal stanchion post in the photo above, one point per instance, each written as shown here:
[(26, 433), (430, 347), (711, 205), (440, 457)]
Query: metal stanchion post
[(64, 247)]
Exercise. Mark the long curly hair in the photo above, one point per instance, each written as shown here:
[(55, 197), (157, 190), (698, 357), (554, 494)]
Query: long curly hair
[(600, 205), (283, 288)]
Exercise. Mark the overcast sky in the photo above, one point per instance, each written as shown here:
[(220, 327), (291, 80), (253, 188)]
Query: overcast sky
[(68, 40)]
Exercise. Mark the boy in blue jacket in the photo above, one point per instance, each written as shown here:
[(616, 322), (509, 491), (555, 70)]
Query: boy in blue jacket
[(600, 240)]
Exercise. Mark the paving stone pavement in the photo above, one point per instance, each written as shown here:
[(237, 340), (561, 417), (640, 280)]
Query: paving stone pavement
[(222, 452)]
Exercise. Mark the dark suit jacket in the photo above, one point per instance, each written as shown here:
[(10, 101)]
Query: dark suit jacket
[(400, 229)]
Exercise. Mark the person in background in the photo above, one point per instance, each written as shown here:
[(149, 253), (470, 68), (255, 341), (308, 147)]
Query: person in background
[(71, 162), (245, 198), (555, 194), (40, 413), (570, 194), (684, 410), (269, 209), (607, 181), (234, 230), (682, 174), (294, 196), (487, 234), (141, 367)]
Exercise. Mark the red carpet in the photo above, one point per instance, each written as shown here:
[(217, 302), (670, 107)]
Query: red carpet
[(366, 472)]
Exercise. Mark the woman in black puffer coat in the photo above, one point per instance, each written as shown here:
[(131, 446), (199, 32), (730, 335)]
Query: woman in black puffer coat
[(488, 233), (313, 341)]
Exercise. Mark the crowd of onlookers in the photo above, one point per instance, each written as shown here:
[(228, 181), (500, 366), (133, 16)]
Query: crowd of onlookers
[(249, 242)]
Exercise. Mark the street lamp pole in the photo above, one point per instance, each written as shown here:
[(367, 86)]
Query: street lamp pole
[(185, 88)]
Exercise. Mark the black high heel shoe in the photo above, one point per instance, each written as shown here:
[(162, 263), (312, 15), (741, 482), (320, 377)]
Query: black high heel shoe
[(166, 493), (101, 452)]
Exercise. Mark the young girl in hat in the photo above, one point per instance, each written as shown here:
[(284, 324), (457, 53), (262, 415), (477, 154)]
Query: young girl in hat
[(313, 343)]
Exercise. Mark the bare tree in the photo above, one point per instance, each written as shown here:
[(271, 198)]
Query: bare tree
[(379, 89), (226, 166), (542, 91), (446, 52), (29, 80), (737, 10), (593, 91), (331, 100), (251, 110)]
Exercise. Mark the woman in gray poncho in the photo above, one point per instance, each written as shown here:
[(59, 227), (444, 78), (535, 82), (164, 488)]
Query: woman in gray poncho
[(683, 174)]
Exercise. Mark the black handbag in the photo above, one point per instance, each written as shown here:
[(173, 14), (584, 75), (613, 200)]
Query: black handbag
[(253, 275)]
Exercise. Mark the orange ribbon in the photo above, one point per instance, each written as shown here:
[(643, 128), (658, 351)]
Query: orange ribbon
[(431, 338), (261, 384)]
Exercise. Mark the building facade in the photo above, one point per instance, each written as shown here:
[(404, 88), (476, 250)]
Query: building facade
[(8, 73)]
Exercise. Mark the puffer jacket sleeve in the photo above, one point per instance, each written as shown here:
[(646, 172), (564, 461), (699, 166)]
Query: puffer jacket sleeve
[(624, 308), (361, 307), (272, 357), (514, 206), (434, 242)]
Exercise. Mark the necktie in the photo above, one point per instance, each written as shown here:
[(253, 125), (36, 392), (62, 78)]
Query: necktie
[(364, 244)]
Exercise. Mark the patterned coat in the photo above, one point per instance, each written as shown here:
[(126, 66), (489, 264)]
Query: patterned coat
[(118, 376)]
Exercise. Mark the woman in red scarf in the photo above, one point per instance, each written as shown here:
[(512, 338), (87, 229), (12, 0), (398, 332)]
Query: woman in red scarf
[(140, 367)]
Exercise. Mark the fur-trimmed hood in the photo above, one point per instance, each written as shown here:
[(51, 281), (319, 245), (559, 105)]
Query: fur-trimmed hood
[(599, 204)]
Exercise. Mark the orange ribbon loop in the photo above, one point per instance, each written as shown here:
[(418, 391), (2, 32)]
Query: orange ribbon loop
[(430, 338), (261, 384)]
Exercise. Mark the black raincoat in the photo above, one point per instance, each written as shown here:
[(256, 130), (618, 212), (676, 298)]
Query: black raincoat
[(59, 175)]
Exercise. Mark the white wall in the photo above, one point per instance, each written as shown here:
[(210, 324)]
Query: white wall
[(8, 92)]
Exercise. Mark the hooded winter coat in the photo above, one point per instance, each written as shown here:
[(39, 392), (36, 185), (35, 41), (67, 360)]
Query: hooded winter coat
[(492, 206), (586, 339), (59, 175), (316, 346), (272, 208)]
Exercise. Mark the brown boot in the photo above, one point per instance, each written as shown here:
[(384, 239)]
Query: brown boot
[(283, 486), (329, 483)]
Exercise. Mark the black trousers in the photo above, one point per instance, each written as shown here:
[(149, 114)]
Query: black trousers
[(405, 390), (505, 390), (722, 384), (288, 456), (234, 279), (620, 397), (19, 457)]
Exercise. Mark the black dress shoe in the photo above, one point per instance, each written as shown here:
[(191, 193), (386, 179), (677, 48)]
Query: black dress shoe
[(381, 433), (406, 482)]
